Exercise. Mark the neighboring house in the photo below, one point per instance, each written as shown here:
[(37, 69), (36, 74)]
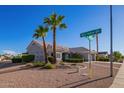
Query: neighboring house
[(103, 54), (84, 52), (36, 48), (5, 57), (1, 58)]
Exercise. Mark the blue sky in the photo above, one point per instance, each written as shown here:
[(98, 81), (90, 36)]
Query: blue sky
[(17, 24)]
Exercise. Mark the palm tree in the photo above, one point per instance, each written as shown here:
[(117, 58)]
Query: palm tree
[(54, 21), (41, 33)]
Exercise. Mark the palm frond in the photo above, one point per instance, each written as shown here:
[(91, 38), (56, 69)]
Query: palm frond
[(53, 16), (55, 21), (63, 26), (35, 35), (60, 17), (46, 29), (47, 21), (41, 28)]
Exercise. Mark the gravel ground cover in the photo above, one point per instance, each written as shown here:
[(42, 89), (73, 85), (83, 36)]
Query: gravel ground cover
[(42, 78)]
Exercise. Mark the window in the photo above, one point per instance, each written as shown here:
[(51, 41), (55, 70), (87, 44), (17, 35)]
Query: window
[(51, 54), (58, 55)]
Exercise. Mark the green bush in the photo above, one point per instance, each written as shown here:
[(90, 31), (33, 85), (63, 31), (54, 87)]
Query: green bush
[(51, 59), (102, 58), (62, 63), (16, 60), (64, 56), (38, 64), (74, 60), (49, 66), (118, 57), (76, 55), (28, 58)]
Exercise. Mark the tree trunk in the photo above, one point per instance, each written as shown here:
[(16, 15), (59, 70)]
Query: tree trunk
[(45, 51), (54, 44)]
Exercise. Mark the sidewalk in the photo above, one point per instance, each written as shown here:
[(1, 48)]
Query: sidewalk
[(119, 79)]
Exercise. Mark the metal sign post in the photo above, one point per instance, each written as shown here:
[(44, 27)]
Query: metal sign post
[(90, 35), (90, 38), (90, 64), (111, 43)]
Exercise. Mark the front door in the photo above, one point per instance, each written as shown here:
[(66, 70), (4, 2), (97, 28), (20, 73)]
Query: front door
[(58, 56)]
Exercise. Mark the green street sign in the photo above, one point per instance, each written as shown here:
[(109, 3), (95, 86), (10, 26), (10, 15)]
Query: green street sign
[(91, 37), (90, 33)]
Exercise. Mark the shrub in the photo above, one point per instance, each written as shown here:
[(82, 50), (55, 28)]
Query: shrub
[(28, 57), (75, 55), (118, 57), (63, 57), (16, 60), (49, 66), (38, 64), (102, 58), (51, 59), (74, 60), (62, 63)]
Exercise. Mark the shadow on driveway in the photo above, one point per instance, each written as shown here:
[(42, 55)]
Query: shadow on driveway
[(82, 82), (8, 64)]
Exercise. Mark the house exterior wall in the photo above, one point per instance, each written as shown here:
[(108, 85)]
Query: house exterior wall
[(85, 56), (103, 55), (37, 51), (84, 52)]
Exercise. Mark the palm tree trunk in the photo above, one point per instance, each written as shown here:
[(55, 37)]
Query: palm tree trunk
[(54, 44), (45, 51)]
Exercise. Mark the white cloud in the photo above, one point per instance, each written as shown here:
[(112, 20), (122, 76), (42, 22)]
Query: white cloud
[(9, 52)]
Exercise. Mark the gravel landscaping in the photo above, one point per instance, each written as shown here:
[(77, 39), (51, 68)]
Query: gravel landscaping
[(43, 78)]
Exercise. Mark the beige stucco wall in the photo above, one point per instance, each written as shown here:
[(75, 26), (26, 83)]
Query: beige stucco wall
[(37, 51)]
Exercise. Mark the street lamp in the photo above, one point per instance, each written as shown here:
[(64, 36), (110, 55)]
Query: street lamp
[(111, 43)]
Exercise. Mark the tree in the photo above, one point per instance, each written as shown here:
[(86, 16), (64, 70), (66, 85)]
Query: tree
[(41, 33), (117, 56), (54, 21)]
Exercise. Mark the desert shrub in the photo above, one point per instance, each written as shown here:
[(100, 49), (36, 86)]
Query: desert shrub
[(28, 58), (49, 66), (16, 60), (38, 64), (51, 59), (61, 63)]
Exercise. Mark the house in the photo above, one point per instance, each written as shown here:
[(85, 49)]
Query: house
[(103, 54), (36, 48), (84, 52), (1, 58), (5, 57)]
